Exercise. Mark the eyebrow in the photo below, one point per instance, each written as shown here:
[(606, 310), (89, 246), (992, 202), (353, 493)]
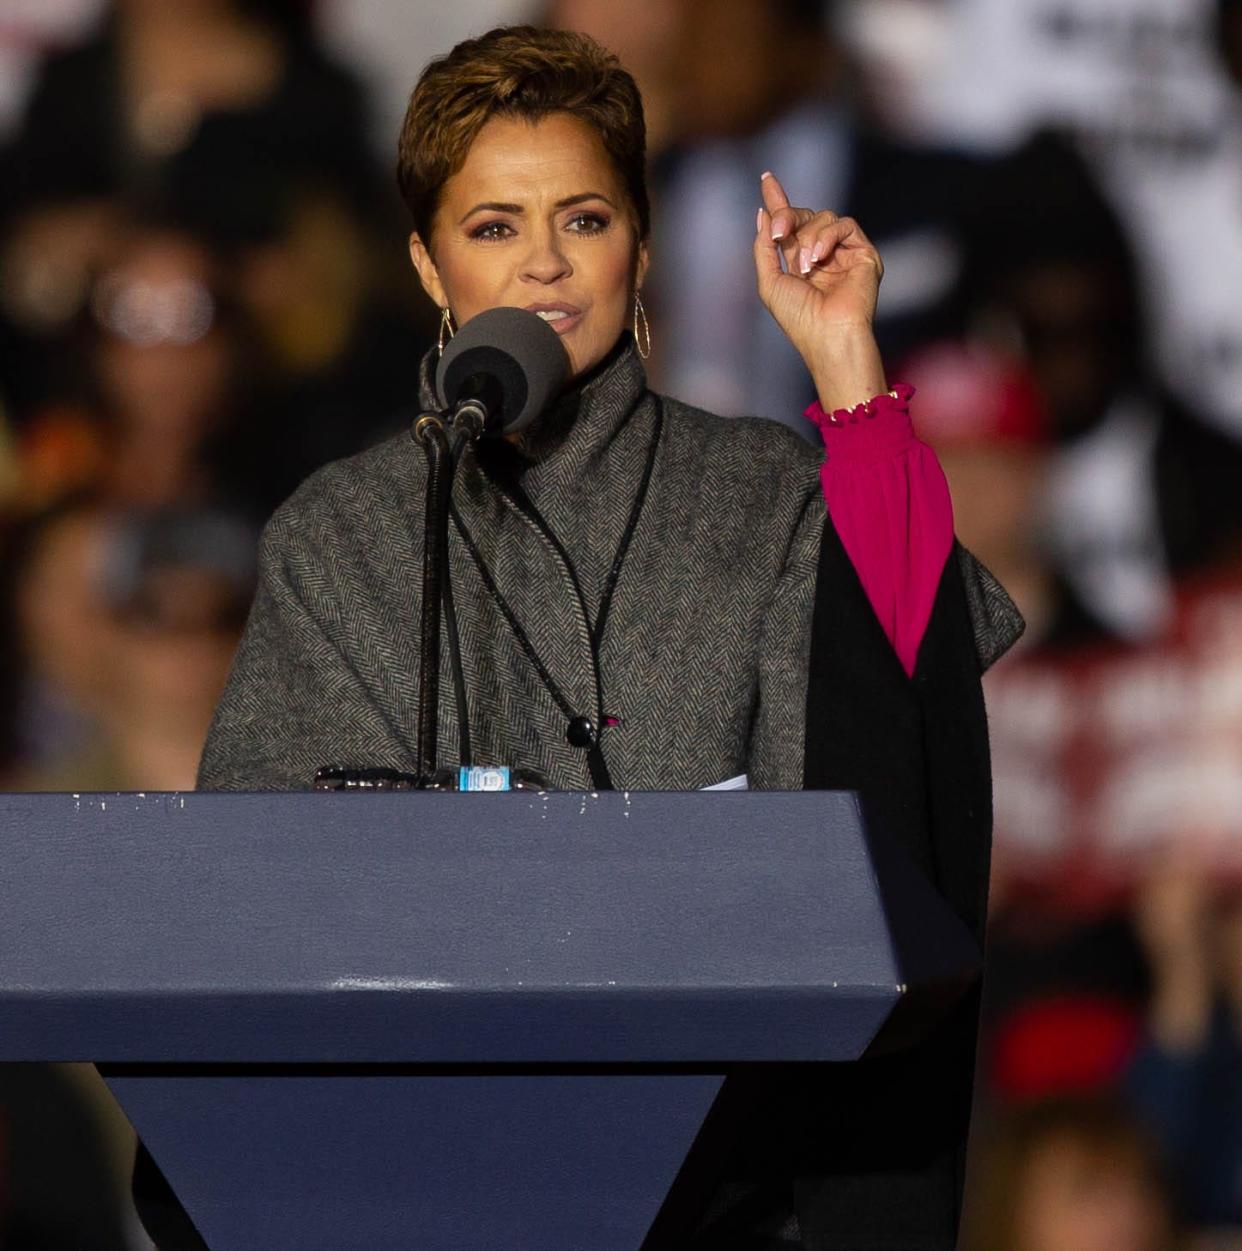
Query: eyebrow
[(497, 206)]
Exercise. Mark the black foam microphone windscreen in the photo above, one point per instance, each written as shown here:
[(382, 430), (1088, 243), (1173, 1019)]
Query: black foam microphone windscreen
[(509, 359)]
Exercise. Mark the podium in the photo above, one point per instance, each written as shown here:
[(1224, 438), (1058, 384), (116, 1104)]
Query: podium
[(452, 1021)]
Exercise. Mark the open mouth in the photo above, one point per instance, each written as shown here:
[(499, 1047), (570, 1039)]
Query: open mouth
[(561, 317)]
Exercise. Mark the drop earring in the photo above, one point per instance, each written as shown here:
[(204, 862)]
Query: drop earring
[(643, 339), (447, 328)]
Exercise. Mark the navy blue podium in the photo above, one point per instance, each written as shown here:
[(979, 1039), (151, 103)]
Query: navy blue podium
[(450, 1021)]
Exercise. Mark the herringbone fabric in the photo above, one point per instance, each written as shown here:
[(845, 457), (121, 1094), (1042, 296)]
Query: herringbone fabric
[(705, 657)]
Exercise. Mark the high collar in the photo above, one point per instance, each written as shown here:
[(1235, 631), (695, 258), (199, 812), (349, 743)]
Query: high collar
[(581, 465), (574, 434)]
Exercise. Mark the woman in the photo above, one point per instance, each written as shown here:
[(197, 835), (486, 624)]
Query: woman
[(648, 596)]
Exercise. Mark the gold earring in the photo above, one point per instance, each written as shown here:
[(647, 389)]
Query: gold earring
[(643, 341), (446, 327)]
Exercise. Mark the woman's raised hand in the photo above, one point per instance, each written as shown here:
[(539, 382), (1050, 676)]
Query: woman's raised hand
[(824, 298)]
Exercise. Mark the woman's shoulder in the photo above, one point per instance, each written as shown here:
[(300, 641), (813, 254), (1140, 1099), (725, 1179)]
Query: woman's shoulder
[(740, 446), (362, 492)]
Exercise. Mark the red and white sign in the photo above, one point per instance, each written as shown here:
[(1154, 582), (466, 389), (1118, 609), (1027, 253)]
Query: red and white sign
[(1102, 758)]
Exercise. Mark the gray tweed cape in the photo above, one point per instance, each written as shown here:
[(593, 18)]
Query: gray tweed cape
[(705, 656)]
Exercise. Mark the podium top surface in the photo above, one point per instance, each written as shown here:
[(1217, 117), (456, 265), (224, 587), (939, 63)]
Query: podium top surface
[(450, 928)]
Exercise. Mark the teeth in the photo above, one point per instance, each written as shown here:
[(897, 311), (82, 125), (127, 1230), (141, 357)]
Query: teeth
[(554, 314)]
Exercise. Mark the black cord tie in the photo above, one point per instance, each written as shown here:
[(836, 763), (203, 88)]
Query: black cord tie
[(581, 731)]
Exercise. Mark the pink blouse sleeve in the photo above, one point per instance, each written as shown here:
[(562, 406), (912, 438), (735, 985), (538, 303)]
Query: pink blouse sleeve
[(889, 502)]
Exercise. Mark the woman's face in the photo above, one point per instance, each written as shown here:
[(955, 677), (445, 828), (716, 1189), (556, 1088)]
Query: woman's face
[(538, 218)]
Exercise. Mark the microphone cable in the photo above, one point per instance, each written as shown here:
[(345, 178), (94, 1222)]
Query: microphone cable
[(465, 753)]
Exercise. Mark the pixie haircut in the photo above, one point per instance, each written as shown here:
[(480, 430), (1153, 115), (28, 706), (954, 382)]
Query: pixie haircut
[(518, 71)]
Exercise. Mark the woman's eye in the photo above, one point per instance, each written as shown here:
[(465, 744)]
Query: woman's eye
[(490, 231), (586, 223)]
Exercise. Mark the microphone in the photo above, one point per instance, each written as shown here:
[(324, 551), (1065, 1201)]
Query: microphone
[(500, 371)]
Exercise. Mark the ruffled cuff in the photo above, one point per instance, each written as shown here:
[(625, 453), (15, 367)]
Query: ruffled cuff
[(877, 430)]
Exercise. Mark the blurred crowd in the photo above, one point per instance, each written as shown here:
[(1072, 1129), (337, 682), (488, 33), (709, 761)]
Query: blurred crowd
[(204, 295)]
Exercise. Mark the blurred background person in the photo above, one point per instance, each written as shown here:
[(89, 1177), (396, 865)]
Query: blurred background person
[(10, 480), (982, 411), (648, 36), (160, 381), (390, 40), (158, 86), (58, 633), (1068, 1174), (156, 79), (127, 626), (225, 360), (337, 333), (763, 82), (1150, 94), (1185, 1079), (1141, 490), (32, 28)]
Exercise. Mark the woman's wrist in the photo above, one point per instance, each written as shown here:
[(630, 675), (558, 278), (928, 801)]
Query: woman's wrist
[(847, 371)]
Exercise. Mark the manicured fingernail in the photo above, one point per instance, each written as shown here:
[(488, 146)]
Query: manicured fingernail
[(777, 232), (759, 221), (818, 250), (804, 260), (767, 173)]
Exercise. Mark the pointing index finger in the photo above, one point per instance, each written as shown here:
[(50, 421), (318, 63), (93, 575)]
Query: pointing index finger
[(774, 196), (774, 200)]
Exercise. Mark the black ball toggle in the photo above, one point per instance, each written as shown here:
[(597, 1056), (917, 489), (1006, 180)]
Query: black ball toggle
[(581, 732)]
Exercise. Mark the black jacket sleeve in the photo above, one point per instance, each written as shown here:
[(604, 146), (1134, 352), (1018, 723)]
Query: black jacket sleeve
[(879, 1146), (869, 1156)]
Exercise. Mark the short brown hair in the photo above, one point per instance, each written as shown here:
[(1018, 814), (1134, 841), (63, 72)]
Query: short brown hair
[(518, 71)]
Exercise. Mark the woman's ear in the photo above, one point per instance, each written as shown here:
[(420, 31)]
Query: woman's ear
[(428, 275), (644, 259)]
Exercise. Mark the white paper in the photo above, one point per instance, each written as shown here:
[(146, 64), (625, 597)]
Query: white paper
[(739, 783)]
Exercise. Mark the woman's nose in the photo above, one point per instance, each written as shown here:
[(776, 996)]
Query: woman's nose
[(545, 262)]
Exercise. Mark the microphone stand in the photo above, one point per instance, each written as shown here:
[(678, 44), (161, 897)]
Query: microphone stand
[(441, 445), (442, 442), (523, 346), (429, 432)]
